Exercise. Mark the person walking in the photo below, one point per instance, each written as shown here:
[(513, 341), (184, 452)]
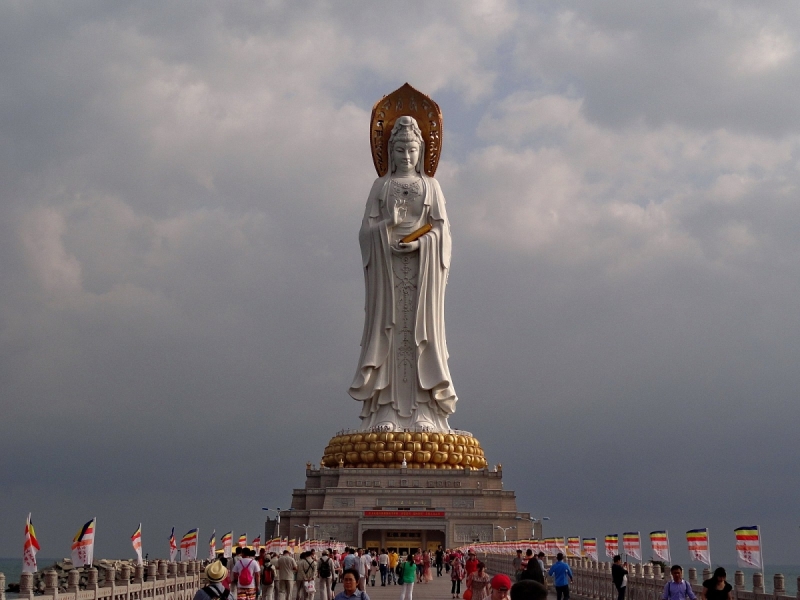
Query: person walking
[(533, 571), (516, 564), (394, 558), (287, 566), (439, 560), (408, 575), (426, 567), (215, 573), (619, 575), (717, 588), (383, 561), (457, 574), (501, 584), (267, 577), (562, 576), (479, 583), (677, 589), (246, 575), (350, 585), (326, 570)]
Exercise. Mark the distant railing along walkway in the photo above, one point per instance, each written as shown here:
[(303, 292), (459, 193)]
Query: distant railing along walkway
[(645, 582), (159, 580)]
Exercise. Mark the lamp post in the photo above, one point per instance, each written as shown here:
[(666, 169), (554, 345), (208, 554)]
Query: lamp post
[(534, 522), (505, 530), (306, 528)]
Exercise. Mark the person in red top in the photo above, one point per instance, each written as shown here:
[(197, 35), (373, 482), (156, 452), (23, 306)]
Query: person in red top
[(472, 562)]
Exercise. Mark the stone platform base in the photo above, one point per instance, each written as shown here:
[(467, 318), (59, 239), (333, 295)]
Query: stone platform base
[(446, 450), (405, 508)]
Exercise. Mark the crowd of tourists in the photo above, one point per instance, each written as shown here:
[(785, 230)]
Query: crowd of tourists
[(269, 576)]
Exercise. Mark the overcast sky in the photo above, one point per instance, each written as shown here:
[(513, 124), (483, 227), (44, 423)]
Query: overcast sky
[(181, 187)]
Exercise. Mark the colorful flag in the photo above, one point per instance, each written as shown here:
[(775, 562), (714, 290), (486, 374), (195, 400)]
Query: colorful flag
[(29, 548), (612, 545), (212, 546), (748, 547), (242, 540), (136, 540), (632, 544), (574, 546), (659, 540), (550, 545), (173, 546), (189, 545), (698, 542), (227, 544), (590, 547), (257, 543), (83, 545)]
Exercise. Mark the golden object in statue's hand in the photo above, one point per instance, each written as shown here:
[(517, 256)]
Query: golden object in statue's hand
[(415, 235)]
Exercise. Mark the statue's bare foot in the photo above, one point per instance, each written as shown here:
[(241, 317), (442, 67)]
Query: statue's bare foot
[(385, 426)]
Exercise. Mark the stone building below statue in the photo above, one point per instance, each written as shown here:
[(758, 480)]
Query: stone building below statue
[(403, 508)]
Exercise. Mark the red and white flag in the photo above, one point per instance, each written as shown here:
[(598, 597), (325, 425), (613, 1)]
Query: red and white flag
[(173, 546), (612, 545), (227, 544), (136, 540), (243, 540), (29, 548), (83, 545), (699, 546), (659, 540), (590, 547), (748, 547), (632, 544), (574, 546), (257, 544)]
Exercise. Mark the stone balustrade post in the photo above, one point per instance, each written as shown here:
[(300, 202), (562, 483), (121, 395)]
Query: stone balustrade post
[(73, 581), (26, 584), (181, 569), (738, 580), (657, 572), (648, 571), (51, 583), (162, 569), (779, 585), (706, 574), (173, 569), (2, 586), (111, 577), (152, 570), (758, 583), (91, 579), (125, 573), (138, 574), (692, 576)]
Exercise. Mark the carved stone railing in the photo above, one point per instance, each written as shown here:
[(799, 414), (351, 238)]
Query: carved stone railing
[(592, 580), (158, 580)]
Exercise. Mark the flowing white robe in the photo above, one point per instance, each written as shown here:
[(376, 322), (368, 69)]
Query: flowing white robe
[(377, 381)]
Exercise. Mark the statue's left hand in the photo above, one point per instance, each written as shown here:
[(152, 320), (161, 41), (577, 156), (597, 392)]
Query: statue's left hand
[(406, 248)]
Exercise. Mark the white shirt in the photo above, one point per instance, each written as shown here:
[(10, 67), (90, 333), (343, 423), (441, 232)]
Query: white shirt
[(252, 566), (364, 564)]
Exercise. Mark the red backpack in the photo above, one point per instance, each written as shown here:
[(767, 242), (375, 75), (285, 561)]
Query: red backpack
[(246, 575)]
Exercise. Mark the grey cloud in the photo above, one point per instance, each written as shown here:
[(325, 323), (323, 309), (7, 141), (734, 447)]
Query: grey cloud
[(181, 189)]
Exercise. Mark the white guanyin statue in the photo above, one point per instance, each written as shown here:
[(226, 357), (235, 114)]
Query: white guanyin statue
[(403, 379)]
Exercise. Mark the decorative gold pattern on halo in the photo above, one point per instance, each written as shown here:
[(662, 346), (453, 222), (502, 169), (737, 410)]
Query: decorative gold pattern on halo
[(432, 450), (406, 101)]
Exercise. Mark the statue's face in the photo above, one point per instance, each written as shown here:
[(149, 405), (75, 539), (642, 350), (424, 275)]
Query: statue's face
[(406, 156)]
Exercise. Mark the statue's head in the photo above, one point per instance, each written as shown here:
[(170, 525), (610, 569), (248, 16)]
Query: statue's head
[(406, 145)]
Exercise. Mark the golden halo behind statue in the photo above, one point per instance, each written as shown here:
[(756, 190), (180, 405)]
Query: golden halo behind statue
[(406, 101)]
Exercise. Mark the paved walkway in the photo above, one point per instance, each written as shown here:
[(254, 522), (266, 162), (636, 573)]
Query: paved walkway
[(438, 589)]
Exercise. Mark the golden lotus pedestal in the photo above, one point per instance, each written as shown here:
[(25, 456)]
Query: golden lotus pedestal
[(420, 450)]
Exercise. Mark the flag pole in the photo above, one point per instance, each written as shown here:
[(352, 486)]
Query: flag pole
[(761, 550)]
